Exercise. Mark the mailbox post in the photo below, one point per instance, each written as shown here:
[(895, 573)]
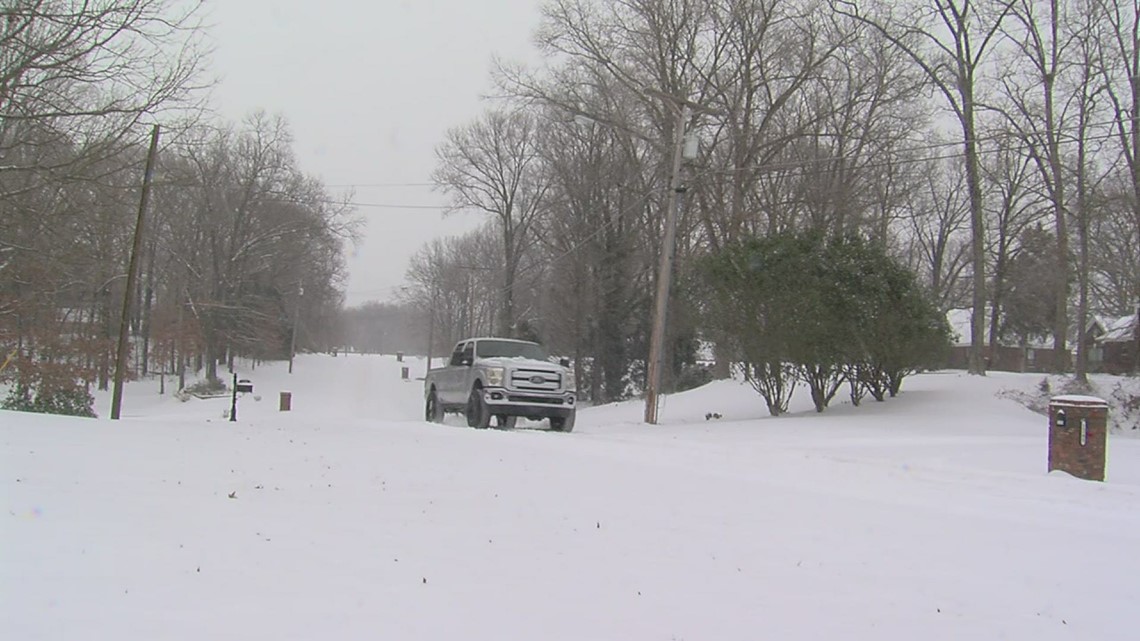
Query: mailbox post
[(1078, 436), (243, 386)]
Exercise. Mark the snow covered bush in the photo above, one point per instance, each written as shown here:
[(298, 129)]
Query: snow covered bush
[(51, 394)]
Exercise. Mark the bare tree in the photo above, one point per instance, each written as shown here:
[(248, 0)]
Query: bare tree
[(1013, 206), (1120, 39), (1116, 263), (1052, 82), (454, 285), (262, 242), (1037, 31), (1087, 90), (76, 79), (85, 73), (492, 165), (949, 40), (936, 232), (600, 271)]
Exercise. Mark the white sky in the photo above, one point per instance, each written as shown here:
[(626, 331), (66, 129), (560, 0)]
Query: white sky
[(369, 89)]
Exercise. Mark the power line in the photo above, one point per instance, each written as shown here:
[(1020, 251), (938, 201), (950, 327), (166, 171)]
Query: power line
[(804, 163), (800, 163), (390, 205), (355, 185)]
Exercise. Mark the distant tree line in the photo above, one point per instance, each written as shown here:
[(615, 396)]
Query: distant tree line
[(241, 252), (988, 146), (383, 328)]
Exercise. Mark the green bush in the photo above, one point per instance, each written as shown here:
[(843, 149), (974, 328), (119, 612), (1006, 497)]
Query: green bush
[(820, 310)]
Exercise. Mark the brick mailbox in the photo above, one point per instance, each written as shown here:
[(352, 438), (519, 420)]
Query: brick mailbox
[(1078, 436)]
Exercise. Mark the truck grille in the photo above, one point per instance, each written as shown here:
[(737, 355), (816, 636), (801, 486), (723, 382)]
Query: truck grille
[(526, 379)]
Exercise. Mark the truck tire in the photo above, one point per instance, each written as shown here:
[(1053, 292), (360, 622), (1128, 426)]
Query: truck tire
[(562, 423), (433, 411), (478, 415)]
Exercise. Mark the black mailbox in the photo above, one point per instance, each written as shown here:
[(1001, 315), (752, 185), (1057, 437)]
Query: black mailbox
[(244, 385)]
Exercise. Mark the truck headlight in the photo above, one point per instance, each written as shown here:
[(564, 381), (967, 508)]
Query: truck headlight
[(495, 376), (568, 382)]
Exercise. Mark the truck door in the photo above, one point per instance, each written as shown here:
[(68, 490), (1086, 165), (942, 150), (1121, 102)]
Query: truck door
[(466, 371), (452, 377)]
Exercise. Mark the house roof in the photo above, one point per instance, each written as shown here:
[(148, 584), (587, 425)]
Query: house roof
[(1118, 330)]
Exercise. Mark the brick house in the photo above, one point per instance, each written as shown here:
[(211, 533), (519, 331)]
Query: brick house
[(1113, 343)]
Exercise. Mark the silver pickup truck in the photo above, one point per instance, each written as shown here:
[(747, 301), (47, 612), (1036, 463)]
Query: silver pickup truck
[(502, 379)]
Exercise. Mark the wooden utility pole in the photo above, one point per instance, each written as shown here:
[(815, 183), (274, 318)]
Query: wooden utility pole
[(296, 319), (431, 325), (665, 272), (132, 269)]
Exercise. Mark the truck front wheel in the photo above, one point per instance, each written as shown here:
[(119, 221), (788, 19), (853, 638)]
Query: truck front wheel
[(433, 411), (478, 415), (562, 423)]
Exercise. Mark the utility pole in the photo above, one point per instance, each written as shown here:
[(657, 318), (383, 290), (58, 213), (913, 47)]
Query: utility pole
[(665, 271), (431, 325), (296, 319), (132, 268)]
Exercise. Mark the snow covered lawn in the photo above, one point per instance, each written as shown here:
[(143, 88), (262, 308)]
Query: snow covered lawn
[(929, 516)]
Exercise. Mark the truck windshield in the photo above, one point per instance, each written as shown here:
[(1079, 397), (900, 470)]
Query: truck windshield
[(510, 349)]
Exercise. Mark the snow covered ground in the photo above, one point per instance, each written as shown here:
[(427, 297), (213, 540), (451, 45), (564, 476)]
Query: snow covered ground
[(930, 516)]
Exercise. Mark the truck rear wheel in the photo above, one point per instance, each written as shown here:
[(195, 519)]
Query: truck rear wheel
[(505, 422), (562, 423), (478, 415)]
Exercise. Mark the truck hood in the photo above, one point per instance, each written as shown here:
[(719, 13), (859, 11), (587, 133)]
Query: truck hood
[(514, 363)]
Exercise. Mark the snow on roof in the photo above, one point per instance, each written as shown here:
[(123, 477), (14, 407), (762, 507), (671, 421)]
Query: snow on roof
[(1079, 399), (959, 320), (1119, 330)]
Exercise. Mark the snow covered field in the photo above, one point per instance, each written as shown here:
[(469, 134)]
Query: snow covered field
[(930, 516)]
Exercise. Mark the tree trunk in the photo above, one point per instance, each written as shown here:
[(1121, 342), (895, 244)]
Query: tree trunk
[(977, 363)]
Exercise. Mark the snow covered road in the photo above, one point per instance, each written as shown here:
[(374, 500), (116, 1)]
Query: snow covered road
[(926, 517)]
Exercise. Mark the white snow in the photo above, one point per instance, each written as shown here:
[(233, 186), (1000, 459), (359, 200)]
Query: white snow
[(1080, 398), (929, 516)]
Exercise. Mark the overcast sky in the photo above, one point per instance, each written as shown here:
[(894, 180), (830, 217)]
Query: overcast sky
[(369, 88)]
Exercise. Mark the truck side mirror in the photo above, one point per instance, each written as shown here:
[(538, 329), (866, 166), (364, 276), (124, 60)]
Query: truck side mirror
[(564, 362), (1060, 420), (465, 361)]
